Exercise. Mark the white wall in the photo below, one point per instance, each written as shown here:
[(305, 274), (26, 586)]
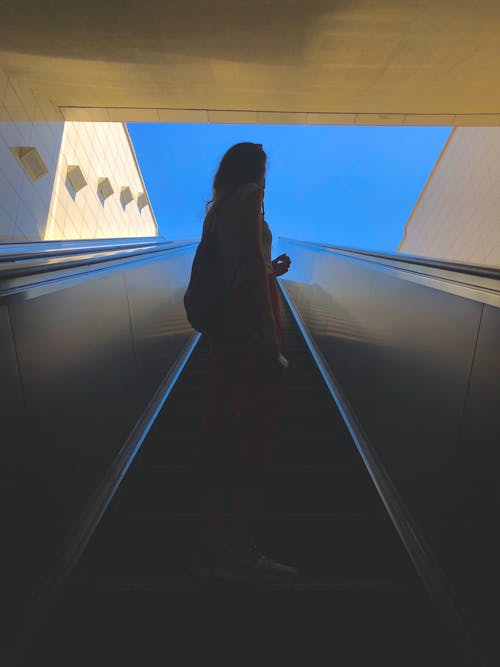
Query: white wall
[(48, 208), (100, 149), (24, 204), (458, 215)]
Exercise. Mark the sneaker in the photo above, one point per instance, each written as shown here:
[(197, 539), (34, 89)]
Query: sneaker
[(251, 565)]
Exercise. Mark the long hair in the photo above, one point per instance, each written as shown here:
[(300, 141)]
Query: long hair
[(242, 163)]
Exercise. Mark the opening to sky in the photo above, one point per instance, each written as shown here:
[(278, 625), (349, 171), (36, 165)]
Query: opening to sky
[(342, 185)]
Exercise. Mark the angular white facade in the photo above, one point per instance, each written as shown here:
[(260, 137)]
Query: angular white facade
[(51, 173), (102, 151), (457, 216)]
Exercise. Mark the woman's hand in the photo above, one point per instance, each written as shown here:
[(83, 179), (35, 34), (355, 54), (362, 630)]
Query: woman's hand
[(281, 264)]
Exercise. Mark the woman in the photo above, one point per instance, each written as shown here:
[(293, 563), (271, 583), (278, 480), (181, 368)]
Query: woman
[(245, 383)]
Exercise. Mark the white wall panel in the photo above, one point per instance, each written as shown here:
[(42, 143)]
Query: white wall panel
[(47, 208), (458, 215)]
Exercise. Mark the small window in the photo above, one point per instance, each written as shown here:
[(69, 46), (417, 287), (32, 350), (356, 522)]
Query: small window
[(126, 195), (30, 161), (142, 200), (76, 177), (105, 188)]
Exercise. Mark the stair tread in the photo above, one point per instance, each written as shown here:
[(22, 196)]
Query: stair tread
[(267, 515), (309, 584), (281, 467)]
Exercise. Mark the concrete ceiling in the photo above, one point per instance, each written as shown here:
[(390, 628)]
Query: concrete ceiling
[(340, 61)]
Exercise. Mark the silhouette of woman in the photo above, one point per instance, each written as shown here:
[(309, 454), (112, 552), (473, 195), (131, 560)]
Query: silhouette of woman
[(245, 389)]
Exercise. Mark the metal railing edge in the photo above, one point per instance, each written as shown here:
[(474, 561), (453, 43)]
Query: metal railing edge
[(445, 265), (16, 265), (36, 282)]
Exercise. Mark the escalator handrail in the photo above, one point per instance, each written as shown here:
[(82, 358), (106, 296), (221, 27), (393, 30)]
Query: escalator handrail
[(26, 259), (445, 265)]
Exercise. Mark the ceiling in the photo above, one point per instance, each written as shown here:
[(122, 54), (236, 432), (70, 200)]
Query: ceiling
[(316, 61)]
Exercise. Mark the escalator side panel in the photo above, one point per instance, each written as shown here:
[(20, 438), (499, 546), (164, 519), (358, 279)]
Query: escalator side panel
[(420, 368), (91, 353)]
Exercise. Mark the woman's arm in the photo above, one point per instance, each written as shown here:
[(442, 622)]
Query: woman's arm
[(254, 258)]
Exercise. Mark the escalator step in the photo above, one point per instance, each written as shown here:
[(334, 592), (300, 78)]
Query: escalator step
[(197, 375), (299, 626), (299, 359), (293, 447), (296, 394), (291, 489), (177, 416), (156, 544)]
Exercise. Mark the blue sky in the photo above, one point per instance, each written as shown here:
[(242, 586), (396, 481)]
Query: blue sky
[(343, 185)]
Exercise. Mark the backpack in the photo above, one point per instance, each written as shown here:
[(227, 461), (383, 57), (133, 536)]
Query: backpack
[(207, 296)]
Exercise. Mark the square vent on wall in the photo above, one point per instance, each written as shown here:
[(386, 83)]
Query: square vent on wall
[(142, 200), (30, 161), (105, 188), (126, 195), (76, 177)]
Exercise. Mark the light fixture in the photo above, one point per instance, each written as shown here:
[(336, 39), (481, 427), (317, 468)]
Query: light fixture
[(105, 188), (142, 200), (126, 195), (76, 177), (30, 161)]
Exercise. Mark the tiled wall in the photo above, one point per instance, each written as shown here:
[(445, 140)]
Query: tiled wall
[(458, 215), (101, 150), (24, 204), (48, 208)]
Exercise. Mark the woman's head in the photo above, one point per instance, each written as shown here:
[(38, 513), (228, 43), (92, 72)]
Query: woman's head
[(242, 163)]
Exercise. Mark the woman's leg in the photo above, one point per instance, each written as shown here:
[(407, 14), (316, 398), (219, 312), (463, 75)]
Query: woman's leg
[(212, 484), (259, 424), (213, 453), (252, 473)]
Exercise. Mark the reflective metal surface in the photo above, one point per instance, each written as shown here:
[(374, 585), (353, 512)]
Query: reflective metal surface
[(476, 477), (420, 368), (478, 283), (91, 352), (18, 260), (155, 295), (468, 271), (11, 403)]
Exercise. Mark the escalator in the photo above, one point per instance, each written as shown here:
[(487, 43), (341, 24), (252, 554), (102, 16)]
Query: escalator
[(131, 602)]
